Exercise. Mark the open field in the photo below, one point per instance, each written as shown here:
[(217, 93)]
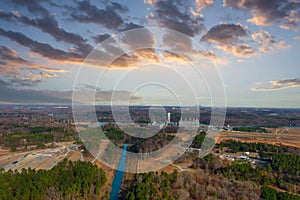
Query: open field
[(277, 136)]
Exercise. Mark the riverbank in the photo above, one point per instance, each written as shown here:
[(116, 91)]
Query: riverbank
[(118, 179)]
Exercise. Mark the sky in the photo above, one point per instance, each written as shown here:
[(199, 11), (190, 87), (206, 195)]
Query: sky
[(246, 52)]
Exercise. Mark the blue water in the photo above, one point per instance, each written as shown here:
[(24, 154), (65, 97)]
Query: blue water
[(117, 182)]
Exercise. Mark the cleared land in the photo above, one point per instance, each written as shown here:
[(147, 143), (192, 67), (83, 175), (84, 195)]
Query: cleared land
[(39, 159), (277, 136)]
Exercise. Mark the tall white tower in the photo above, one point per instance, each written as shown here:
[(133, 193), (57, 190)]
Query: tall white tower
[(169, 117)]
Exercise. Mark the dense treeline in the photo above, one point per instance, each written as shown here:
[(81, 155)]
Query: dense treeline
[(42, 129), (281, 171), (287, 167), (237, 146), (23, 139), (67, 180), (156, 142), (286, 163), (198, 140), (152, 186), (244, 171), (218, 180), (250, 129), (241, 170), (114, 134), (188, 186), (271, 194), (37, 135)]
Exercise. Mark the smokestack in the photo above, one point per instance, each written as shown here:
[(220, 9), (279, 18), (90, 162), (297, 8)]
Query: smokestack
[(169, 117)]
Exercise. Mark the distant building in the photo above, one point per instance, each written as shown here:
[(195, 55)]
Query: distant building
[(191, 124), (74, 146), (243, 157)]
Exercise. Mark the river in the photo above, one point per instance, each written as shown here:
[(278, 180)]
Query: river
[(117, 182)]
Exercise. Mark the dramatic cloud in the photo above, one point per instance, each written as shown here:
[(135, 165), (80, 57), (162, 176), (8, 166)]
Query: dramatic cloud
[(109, 52), (200, 4), (132, 48), (183, 44), (136, 47), (43, 49), (125, 60), (239, 49), (30, 78), (100, 38), (172, 14), (9, 58), (33, 6), (182, 50), (138, 38), (49, 24), (8, 55), (225, 33), (227, 37), (292, 20), (150, 2), (128, 26), (267, 41), (269, 12), (140, 42), (21, 71), (174, 58), (108, 17), (281, 84)]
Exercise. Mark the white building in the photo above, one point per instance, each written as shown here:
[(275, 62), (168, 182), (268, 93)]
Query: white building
[(191, 124)]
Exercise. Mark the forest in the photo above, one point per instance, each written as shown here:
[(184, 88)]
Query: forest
[(236, 146), (36, 135), (268, 193), (67, 180), (188, 186), (214, 178), (211, 179), (250, 129)]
